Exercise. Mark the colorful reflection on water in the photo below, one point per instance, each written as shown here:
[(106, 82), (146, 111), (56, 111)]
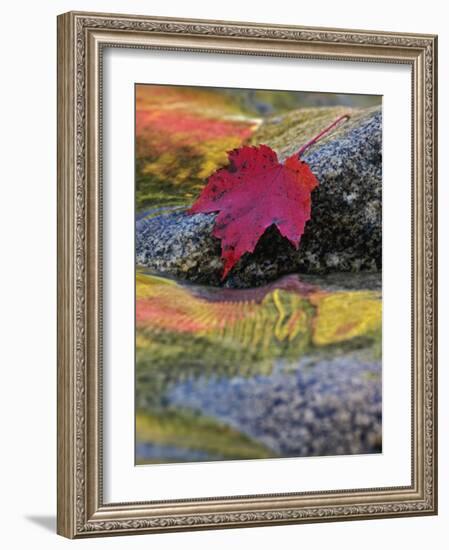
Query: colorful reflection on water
[(195, 344)]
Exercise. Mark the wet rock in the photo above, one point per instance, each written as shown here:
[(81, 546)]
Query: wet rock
[(345, 230), (332, 407)]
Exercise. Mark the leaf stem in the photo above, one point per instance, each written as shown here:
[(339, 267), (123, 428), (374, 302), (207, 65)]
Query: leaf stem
[(322, 133)]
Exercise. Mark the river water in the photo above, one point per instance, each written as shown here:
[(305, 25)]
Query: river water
[(289, 369)]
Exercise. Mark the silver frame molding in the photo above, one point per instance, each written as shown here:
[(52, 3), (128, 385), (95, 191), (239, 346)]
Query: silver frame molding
[(81, 39)]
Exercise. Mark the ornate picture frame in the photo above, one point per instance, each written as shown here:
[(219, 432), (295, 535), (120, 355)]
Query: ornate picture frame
[(82, 39)]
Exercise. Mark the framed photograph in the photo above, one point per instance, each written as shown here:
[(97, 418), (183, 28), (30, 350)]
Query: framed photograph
[(246, 274)]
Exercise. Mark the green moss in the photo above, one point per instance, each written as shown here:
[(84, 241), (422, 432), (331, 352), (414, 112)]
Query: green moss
[(288, 132)]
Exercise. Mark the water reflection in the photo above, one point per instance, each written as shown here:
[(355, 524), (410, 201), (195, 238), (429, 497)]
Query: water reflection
[(221, 356)]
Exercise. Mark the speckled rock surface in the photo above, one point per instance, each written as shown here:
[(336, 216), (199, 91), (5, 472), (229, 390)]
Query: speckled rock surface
[(345, 230), (329, 407)]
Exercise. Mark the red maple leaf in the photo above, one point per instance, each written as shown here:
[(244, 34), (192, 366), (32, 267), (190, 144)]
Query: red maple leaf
[(254, 192)]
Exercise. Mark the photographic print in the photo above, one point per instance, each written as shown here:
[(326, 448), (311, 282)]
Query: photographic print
[(258, 274), (247, 282)]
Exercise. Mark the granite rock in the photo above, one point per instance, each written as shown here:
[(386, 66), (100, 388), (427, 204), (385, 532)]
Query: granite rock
[(345, 230), (312, 408)]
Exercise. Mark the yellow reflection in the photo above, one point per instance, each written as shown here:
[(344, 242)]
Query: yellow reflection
[(344, 315)]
